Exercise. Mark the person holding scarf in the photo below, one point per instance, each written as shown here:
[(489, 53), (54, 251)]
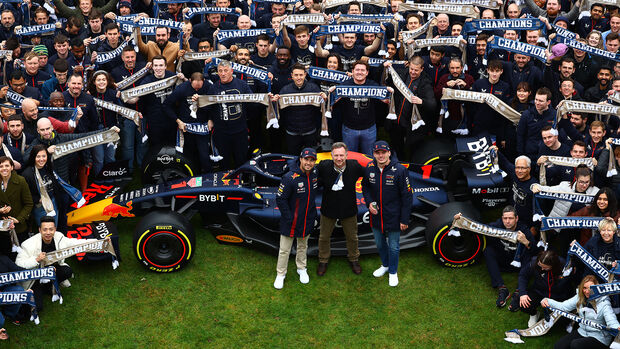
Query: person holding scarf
[(603, 163), (387, 194), (13, 311), (42, 184), (599, 311), (457, 79), (296, 201), (545, 270), (15, 203), (16, 137), (604, 205), (101, 86)]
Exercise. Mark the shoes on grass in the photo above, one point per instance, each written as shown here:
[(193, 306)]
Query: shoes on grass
[(502, 297), (532, 321), (393, 280), (356, 267), (279, 283), (303, 276), (514, 302), (380, 272), (320, 271)]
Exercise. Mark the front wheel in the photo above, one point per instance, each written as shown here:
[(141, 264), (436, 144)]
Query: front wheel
[(164, 241), (450, 249)]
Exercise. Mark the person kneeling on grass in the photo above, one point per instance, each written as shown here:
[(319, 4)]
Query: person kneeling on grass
[(296, 202), (34, 250), (598, 310), (500, 254)]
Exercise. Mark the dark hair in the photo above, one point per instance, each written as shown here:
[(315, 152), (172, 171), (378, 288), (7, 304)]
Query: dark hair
[(354, 3), (160, 57), (15, 117), (12, 43), (483, 37), (128, 49), (297, 66), (60, 39), (338, 58), (440, 49), (110, 26), (551, 259), (61, 65), (4, 159), (33, 155), (47, 219), (74, 22), (92, 88), (583, 171), (262, 37), (196, 76), (523, 85), (495, 64), (358, 62), (17, 74), (579, 143), (612, 36), (612, 206), (510, 208), (75, 75), (544, 91), (567, 60), (77, 42), (95, 13)]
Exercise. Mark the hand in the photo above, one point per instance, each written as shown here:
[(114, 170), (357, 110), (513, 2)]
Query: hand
[(535, 188), (5, 209), (93, 56), (149, 65), (613, 264), (110, 15), (391, 90), (387, 64), (461, 83), (493, 147), (403, 227), (323, 95), (182, 126), (15, 220), (607, 141), (3, 91), (594, 161), (195, 97), (416, 100), (78, 69), (372, 208), (541, 160), (572, 243), (115, 128), (108, 240), (522, 239), (274, 98), (181, 53), (544, 303), (210, 125), (451, 83), (524, 301), (51, 149), (457, 216), (181, 76), (332, 89), (40, 257)]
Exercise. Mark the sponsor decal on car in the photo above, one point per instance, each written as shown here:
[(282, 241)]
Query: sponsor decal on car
[(229, 238)]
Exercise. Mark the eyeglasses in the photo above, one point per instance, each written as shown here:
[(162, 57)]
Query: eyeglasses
[(584, 182), (521, 167), (203, 47)]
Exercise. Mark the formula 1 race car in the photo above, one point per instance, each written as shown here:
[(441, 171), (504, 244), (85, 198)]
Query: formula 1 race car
[(239, 208)]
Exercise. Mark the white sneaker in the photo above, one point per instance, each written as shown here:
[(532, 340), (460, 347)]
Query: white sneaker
[(279, 283), (393, 280), (65, 283), (532, 321), (303, 276), (380, 272)]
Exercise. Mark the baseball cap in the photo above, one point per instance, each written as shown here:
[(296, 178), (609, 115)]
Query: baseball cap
[(381, 145), (558, 50), (125, 4), (308, 153)]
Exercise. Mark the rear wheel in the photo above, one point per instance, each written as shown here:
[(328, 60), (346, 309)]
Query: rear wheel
[(449, 249), (164, 241)]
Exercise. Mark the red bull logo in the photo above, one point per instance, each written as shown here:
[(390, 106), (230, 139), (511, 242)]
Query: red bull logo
[(114, 210)]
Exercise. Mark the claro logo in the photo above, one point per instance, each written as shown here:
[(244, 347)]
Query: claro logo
[(119, 172)]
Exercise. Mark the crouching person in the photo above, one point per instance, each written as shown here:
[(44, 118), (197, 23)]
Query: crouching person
[(296, 202), (33, 252)]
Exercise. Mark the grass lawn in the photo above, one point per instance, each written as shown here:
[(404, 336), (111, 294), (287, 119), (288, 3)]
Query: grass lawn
[(225, 298)]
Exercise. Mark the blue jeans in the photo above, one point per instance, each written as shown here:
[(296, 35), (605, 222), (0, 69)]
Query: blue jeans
[(360, 140), (131, 143), (388, 250), (12, 309), (102, 154), (39, 212)]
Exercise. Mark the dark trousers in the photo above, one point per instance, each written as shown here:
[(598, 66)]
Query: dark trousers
[(498, 260), (574, 340), (232, 147), (198, 145), (296, 143), (535, 299), (63, 272)]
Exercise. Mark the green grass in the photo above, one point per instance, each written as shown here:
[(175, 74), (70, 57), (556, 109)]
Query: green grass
[(225, 298)]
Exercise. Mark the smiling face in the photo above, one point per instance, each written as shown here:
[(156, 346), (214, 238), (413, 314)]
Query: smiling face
[(5, 169), (47, 230), (602, 202), (541, 102), (382, 157), (161, 36), (583, 183), (586, 289), (299, 76), (522, 170), (40, 159), (360, 73), (339, 155), (101, 83), (32, 65), (307, 163)]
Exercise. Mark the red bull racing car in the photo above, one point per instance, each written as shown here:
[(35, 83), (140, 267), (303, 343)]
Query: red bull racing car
[(239, 208)]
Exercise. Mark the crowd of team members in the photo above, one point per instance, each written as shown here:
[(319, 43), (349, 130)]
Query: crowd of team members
[(63, 68)]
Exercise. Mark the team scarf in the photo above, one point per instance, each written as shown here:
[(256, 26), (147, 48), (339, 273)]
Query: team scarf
[(454, 41), (509, 235), (569, 106), (558, 195), (44, 275), (303, 99), (416, 118), (195, 56), (586, 322), (503, 24), (457, 10), (492, 4), (21, 297), (258, 74), (46, 201), (334, 29), (576, 250), (538, 329), (260, 98), (608, 289), (573, 43), (6, 54), (378, 62), (327, 75), (517, 47), (605, 2), (196, 128), (564, 32), (226, 35), (34, 29), (303, 18), (192, 11), (149, 88), (14, 97), (480, 97), (562, 161), (127, 27), (73, 193), (90, 246), (157, 22), (86, 142), (369, 18), (354, 91), (104, 57), (73, 111), (336, 3), (121, 85), (125, 112), (412, 34), (5, 225), (559, 223), (611, 164)]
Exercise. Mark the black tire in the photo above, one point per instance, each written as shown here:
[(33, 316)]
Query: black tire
[(453, 251), (431, 151), (167, 164), (164, 241)]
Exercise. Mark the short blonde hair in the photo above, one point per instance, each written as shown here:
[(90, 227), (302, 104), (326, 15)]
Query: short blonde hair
[(607, 223)]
